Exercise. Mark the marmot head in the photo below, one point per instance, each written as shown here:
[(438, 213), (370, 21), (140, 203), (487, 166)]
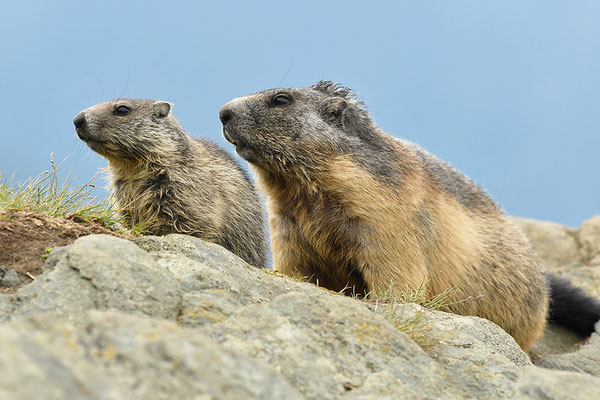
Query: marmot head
[(133, 130), (292, 132)]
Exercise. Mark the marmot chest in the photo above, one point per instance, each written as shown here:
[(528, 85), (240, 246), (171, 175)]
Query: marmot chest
[(331, 235)]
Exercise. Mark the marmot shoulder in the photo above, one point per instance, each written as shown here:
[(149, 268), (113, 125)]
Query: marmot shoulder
[(352, 207), (177, 183)]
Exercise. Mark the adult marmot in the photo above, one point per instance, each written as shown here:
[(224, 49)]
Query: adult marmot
[(177, 183), (351, 207)]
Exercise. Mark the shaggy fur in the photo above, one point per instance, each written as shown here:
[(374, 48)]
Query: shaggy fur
[(177, 183), (572, 307), (355, 209)]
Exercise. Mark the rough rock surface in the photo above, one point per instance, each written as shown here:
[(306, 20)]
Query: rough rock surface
[(561, 248), (10, 278), (556, 245), (589, 238), (101, 272), (118, 356), (176, 318), (537, 383), (586, 358), (578, 250), (587, 278), (6, 306)]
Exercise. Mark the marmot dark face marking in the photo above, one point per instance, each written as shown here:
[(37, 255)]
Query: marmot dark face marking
[(178, 183), (350, 206)]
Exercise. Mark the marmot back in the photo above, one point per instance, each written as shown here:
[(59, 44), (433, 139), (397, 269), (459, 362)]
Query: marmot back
[(179, 184), (351, 207)]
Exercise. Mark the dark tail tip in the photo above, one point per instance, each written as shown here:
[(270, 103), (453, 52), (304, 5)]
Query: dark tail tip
[(571, 306)]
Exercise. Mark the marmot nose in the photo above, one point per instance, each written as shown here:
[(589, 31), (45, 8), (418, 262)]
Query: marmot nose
[(225, 115), (79, 120)]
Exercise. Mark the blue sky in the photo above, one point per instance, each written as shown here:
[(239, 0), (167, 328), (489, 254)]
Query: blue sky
[(506, 91)]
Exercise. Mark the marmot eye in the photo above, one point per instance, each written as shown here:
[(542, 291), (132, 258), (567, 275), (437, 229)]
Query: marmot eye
[(281, 100), (121, 110)]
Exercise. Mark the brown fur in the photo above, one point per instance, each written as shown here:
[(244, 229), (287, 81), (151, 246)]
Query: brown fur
[(350, 206), (162, 176)]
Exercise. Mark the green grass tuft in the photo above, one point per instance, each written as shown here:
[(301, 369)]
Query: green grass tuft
[(44, 194), (140, 228)]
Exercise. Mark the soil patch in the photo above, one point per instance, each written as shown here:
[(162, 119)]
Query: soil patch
[(25, 238)]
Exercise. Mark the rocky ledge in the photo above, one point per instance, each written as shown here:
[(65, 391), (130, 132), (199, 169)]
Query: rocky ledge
[(177, 318)]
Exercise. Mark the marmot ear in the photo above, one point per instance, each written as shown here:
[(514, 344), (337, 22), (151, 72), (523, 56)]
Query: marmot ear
[(333, 109), (161, 109)]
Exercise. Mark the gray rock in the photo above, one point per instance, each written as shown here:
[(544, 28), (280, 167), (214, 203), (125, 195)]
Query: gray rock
[(587, 278), (383, 385), (589, 237), (473, 352), (556, 340), (538, 383), (117, 356), (328, 345), (41, 359), (207, 306), (199, 265), (585, 359), (248, 334), (55, 255), (458, 333), (565, 251), (561, 248), (476, 355), (10, 279), (101, 272), (159, 360), (6, 306), (556, 245)]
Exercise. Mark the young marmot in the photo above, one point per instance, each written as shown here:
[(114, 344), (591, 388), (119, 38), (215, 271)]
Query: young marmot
[(352, 207), (163, 176)]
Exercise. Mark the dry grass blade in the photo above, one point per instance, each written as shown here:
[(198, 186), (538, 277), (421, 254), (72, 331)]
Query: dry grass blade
[(413, 320)]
